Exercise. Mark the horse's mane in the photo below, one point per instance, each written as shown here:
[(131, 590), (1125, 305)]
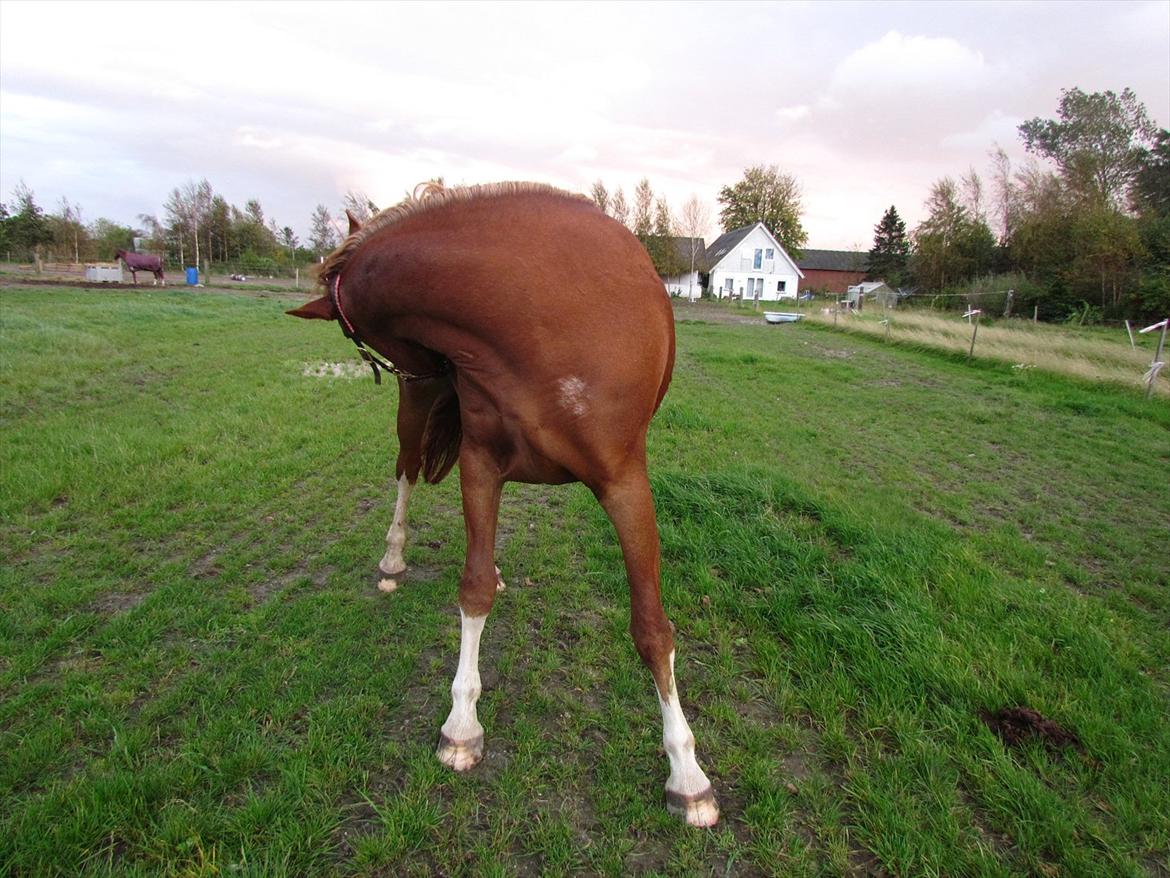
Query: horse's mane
[(427, 196)]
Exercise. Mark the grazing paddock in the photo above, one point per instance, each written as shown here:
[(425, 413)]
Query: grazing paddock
[(868, 550), (1091, 354)]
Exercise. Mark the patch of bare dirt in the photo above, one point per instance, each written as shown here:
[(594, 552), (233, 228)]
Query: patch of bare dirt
[(1016, 726)]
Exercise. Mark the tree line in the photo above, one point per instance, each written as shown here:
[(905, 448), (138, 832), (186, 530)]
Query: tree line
[(1083, 223), (196, 227), (1083, 226)]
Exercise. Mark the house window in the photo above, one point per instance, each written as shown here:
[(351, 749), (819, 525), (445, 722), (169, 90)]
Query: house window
[(756, 260), (728, 286), (780, 286), (770, 254)]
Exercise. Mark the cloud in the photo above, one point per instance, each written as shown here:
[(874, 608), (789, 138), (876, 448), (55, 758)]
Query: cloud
[(904, 67), (793, 114)]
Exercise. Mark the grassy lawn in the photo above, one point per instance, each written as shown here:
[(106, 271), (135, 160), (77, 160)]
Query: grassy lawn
[(867, 547)]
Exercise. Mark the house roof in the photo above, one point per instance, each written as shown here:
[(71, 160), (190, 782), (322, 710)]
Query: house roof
[(682, 246), (833, 260), (725, 243), (728, 241)]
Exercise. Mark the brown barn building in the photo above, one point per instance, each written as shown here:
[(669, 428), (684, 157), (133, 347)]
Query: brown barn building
[(832, 271)]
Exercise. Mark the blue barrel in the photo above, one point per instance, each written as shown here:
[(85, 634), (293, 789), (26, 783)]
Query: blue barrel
[(192, 277)]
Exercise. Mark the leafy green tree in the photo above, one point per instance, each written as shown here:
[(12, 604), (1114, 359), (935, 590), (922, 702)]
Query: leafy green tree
[(219, 227), (249, 234), (5, 245), (288, 240), (643, 210), (937, 260), (1097, 142), (1107, 253), (187, 211), (107, 236), (620, 210), (70, 236), (600, 196), (770, 196), (26, 228), (951, 245), (889, 257), (1151, 184), (661, 245), (322, 232)]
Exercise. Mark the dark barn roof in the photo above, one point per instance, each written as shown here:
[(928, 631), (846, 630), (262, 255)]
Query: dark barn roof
[(833, 260), (682, 246)]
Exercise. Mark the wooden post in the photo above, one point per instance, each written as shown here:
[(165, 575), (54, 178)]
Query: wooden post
[(1130, 331), (298, 277), (973, 315), (1007, 311), (1035, 313)]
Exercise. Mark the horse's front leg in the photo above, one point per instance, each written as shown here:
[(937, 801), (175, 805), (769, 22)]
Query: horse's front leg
[(461, 739), (416, 399)]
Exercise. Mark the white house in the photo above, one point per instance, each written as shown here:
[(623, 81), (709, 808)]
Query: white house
[(750, 264)]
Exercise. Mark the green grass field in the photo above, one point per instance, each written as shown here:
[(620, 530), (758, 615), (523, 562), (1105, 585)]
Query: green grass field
[(866, 547)]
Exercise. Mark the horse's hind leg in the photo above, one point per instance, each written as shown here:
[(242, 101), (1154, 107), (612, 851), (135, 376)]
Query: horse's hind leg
[(461, 739), (630, 505), (415, 399)]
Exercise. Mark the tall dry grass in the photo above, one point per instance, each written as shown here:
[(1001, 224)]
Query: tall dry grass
[(1095, 355)]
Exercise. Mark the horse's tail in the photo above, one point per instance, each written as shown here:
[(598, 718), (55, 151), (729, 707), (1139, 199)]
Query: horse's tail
[(441, 438)]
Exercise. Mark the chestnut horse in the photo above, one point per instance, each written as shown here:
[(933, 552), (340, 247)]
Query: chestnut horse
[(137, 262), (533, 342)]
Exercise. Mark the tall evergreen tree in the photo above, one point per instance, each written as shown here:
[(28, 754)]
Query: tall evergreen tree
[(890, 254)]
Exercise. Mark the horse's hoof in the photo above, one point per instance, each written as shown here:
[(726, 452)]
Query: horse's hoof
[(391, 568), (500, 585), (460, 755), (698, 809)]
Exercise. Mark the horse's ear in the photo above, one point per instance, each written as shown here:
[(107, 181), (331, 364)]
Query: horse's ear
[(318, 309), (354, 225)]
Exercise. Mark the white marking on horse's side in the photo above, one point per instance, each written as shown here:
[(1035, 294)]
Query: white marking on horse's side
[(461, 744), (392, 562), (686, 779), (573, 395)]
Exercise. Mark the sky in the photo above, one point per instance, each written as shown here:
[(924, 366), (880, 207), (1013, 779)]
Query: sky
[(114, 105)]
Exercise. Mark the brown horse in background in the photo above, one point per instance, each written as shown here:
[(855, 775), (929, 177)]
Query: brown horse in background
[(137, 262), (533, 342)]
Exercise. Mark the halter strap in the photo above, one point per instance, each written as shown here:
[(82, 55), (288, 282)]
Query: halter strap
[(375, 363)]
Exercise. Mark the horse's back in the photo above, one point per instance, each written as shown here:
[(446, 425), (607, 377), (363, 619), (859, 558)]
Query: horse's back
[(549, 283)]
